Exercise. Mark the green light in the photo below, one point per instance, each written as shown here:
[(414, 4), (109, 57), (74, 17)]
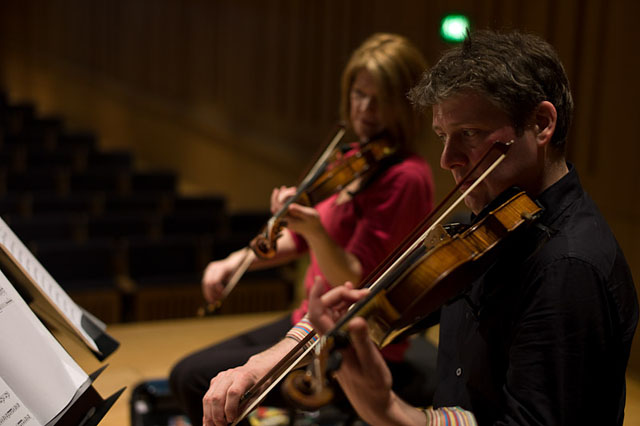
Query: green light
[(453, 28)]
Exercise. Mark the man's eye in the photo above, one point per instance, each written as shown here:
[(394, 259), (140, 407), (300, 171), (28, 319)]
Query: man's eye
[(469, 132)]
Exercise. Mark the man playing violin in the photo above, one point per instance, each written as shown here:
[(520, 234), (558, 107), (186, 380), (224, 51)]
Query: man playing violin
[(543, 336), (347, 235)]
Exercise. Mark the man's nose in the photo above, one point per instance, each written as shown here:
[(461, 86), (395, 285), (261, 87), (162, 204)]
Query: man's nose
[(451, 156)]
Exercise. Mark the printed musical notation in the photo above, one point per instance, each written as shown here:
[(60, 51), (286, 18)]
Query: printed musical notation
[(67, 309), (5, 300), (12, 410), (59, 378)]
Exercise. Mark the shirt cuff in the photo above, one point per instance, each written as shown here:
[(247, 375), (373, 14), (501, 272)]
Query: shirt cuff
[(300, 330), (450, 416)]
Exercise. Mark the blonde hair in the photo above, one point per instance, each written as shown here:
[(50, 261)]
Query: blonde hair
[(396, 65)]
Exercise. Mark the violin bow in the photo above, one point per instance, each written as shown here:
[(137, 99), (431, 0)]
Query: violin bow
[(289, 361)]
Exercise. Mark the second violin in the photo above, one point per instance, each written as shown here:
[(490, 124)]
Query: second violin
[(338, 166)]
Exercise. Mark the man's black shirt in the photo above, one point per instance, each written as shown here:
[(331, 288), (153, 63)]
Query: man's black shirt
[(543, 337)]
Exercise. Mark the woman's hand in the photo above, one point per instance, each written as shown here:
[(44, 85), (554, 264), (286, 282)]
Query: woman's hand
[(279, 197), (301, 219), (337, 264), (217, 273)]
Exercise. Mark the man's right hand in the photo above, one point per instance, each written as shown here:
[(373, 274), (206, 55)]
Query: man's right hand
[(221, 403)]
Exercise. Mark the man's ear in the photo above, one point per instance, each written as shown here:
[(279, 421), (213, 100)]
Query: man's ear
[(545, 118)]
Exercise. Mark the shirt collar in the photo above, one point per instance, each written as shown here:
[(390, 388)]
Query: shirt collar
[(559, 196)]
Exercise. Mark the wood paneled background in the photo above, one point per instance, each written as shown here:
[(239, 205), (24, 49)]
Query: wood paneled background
[(237, 95)]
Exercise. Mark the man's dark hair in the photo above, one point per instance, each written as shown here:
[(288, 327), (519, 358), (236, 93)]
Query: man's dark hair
[(516, 71)]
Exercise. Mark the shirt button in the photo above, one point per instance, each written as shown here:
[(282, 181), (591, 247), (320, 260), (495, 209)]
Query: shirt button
[(458, 371)]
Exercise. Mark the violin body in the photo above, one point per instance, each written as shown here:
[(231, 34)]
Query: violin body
[(345, 169), (437, 274)]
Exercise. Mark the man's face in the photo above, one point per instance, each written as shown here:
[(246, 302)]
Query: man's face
[(468, 124)]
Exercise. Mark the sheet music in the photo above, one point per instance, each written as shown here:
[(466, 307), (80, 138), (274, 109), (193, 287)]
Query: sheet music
[(33, 365), (45, 281), (12, 410)]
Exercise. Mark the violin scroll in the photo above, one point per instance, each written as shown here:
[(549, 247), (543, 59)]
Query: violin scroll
[(264, 245)]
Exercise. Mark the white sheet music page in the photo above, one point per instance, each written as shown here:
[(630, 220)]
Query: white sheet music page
[(33, 365), (49, 286), (12, 410)]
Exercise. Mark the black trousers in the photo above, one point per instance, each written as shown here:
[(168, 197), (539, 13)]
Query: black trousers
[(190, 377)]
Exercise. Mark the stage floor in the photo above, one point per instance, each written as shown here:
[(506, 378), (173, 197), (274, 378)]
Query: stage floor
[(149, 349)]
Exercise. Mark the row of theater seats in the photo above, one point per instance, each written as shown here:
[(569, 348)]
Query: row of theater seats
[(124, 243)]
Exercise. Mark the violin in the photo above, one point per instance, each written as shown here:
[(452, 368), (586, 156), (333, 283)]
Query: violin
[(423, 280), (427, 269), (327, 180), (332, 172)]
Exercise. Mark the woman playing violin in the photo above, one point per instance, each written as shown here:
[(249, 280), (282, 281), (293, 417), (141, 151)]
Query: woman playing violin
[(347, 235), (543, 336)]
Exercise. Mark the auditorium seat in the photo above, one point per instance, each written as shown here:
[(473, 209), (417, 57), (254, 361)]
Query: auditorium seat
[(147, 203), (177, 259), (194, 224), (119, 226), (16, 118), (39, 159), (79, 265), (42, 228), (160, 181), (244, 226), (165, 276), (51, 181), (248, 224), (11, 158), (106, 181), (79, 141), (105, 161), (213, 204), (13, 205), (47, 203), (46, 130), (88, 272)]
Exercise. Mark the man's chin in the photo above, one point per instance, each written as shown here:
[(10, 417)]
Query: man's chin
[(473, 204)]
